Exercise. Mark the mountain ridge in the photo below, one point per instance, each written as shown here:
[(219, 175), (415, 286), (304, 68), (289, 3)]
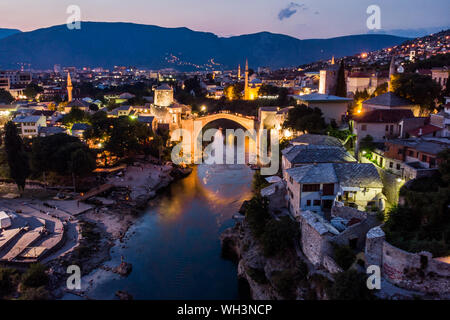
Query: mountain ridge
[(123, 43)]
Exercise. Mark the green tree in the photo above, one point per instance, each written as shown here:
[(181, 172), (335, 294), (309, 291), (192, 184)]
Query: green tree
[(350, 285), (35, 276), (32, 90), (420, 89), (5, 96), (17, 157), (344, 256), (257, 215), (76, 115), (302, 118), (279, 235), (341, 86), (81, 163)]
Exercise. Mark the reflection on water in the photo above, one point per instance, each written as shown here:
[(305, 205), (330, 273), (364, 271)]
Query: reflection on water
[(174, 248)]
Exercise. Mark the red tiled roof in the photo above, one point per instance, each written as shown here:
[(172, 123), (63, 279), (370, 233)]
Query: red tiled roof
[(384, 116), (427, 129)]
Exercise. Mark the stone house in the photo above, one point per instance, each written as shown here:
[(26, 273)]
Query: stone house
[(305, 154), (334, 108), (380, 124), (318, 187), (346, 227)]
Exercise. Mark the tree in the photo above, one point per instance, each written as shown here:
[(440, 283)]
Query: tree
[(420, 89), (76, 115), (302, 118), (341, 86), (32, 90), (350, 285), (5, 96), (344, 256), (279, 235), (81, 163), (257, 215), (444, 166), (35, 276), (62, 154), (17, 157)]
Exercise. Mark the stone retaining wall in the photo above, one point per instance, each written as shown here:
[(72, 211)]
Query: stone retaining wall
[(412, 271)]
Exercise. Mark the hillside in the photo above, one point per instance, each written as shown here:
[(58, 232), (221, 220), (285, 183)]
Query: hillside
[(109, 44)]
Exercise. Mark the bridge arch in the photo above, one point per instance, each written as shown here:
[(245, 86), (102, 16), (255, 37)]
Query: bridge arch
[(195, 125)]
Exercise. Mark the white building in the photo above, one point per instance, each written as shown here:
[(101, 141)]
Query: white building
[(29, 125), (317, 187)]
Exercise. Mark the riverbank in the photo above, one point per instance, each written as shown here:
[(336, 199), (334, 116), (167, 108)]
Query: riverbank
[(284, 276), (106, 225)]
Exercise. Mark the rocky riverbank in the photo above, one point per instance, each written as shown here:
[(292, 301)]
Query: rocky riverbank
[(108, 223), (280, 277)]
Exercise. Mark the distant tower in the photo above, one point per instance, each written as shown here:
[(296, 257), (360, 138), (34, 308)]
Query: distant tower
[(246, 91), (391, 74), (239, 72), (328, 78), (69, 87)]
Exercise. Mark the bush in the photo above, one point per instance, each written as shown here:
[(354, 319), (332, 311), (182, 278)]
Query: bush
[(35, 276), (344, 256), (350, 285), (258, 275), (279, 235), (39, 293), (7, 280), (285, 282), (257, 215)]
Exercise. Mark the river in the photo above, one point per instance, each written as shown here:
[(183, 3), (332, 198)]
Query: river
[(174, 246)]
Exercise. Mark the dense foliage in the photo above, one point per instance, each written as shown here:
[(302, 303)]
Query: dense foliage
[(423, 221), (420, 89), (304, 119), (350, 285), (17, 157)]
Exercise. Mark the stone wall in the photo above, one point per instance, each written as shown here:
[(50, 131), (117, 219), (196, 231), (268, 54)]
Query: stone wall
[(314, 243), (331, 265), (357, 231), (412, 271)]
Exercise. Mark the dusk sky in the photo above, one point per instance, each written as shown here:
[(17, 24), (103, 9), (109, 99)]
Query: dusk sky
[(301, 19)]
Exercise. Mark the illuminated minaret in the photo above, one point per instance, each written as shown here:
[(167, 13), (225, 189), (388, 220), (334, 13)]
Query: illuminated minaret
[(69, 87), (246, 91), (239, 72), (391, 74), (332, 60)]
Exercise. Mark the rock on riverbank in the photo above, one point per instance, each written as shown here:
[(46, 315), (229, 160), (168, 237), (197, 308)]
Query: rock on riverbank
[(266, 276)]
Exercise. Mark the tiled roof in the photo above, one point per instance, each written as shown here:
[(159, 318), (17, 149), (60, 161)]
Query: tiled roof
[(363, 175), (388, 99), (317, 139), (78, 103), (320, 97), (164, 86), (80, 126), (317, 154), (427, 129), (145, 119), (431, 147), (27, 119), (315, 173), (384, 116)]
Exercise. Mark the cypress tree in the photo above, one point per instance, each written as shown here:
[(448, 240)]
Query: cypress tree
[(341, 86), (16, 155)]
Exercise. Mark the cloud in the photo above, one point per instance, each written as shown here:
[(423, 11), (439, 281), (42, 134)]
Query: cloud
[(290, 10)]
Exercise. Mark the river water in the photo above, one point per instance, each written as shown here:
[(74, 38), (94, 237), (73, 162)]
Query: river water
[(174, 246)]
